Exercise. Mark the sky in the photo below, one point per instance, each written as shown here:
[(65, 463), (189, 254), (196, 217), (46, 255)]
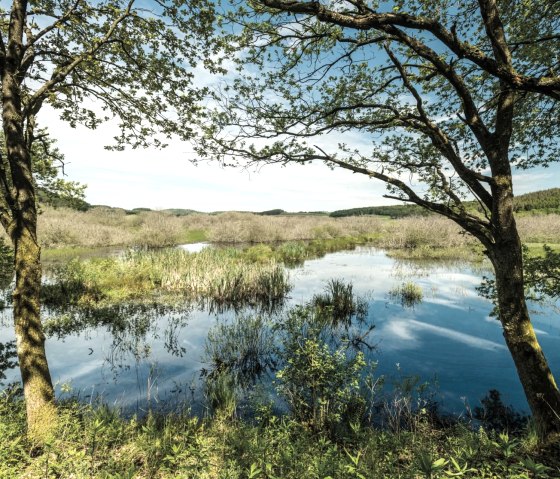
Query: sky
[(167, 178)]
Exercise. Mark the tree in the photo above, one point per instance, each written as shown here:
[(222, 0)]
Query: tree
[(454, 96), (92, 61), (48, 163)]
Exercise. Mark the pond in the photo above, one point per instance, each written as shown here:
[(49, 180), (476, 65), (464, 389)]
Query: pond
[(449, 338)]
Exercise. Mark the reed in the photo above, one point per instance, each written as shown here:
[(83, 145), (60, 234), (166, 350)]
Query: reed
[(408, 294), (431, 237), (223, 276)]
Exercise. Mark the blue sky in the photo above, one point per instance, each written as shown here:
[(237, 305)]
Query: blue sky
[(167, 178)]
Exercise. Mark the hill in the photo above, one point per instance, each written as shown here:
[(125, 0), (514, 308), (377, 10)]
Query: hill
[(544, 201), (394, 211), (537, 202)]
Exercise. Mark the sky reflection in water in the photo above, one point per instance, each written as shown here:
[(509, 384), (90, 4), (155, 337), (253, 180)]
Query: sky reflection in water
[(449, 337)]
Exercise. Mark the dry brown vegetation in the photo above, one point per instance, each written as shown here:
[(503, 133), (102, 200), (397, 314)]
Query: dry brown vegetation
[(99, 227)]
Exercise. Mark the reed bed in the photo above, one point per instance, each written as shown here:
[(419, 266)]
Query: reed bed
[(222, 276), (429, 237), (539, 228)]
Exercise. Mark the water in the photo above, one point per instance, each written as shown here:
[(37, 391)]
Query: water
[(449, 338)]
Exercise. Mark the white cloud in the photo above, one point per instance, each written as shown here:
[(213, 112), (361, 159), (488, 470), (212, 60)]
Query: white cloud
[(166, 178)]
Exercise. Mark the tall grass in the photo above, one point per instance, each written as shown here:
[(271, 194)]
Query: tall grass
[(221, 276), (423, 237)]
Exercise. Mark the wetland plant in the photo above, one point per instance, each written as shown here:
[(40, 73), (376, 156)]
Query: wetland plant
[(313, 352), (408, 293), (339, 304), (220, 276)]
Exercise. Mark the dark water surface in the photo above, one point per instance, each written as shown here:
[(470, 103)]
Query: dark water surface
[(449, 338)]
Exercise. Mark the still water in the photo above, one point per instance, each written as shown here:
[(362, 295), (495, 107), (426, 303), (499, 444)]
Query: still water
[(449, 338)]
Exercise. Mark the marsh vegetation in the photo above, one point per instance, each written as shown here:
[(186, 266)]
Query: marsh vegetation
[(287, 395), (64, 232)]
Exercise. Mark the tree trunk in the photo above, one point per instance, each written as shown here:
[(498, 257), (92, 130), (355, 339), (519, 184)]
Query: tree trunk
[(35, 375), (19, 218), (533, 370)]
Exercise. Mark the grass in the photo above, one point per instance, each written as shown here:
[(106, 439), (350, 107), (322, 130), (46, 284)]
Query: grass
[(221, 276), (97, 442), (535, 250)]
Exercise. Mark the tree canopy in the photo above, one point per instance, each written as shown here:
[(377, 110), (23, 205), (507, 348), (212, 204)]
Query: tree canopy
[(427, 84), (127, 61), (440, 100)]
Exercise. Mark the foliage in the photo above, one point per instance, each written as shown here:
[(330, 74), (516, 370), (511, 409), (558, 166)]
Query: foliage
[(543, 201), (48, 172), (443, 101), (100, 443), (321, 375)]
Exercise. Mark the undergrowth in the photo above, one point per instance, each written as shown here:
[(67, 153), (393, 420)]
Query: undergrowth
[(97, 442)]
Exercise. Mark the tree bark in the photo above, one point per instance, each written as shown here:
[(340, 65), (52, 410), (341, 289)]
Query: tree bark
[(35, 375), (20, 222), (534, 373)]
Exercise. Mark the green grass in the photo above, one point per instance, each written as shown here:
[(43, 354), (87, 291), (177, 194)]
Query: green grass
[(223, 276), (535, 250), (194, 236), (99, 443)]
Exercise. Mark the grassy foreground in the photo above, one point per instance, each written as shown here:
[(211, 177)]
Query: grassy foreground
[(95, 442)]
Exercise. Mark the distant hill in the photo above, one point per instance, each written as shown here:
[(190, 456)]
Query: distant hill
[(537, 202), (180, 211), (275, 212), (543, 201), (394, 211)]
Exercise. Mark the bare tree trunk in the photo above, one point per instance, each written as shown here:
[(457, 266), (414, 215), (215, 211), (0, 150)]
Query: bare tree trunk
[(533, 370)]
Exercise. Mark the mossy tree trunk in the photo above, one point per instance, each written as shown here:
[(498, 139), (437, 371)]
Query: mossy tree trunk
[(532, 367), (35, 375), (506, 255), (18, 214)]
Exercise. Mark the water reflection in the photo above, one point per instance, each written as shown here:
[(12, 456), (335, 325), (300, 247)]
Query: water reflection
[(133, 355)]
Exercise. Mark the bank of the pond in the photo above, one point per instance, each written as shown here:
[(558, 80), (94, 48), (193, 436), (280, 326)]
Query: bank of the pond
[(224, 275), (97, 442)]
